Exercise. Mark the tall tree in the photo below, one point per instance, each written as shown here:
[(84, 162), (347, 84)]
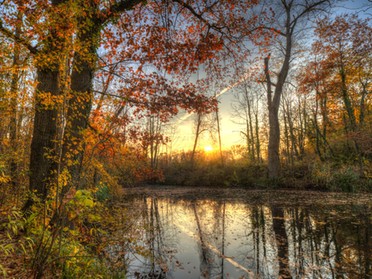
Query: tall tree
[(290, 14), (49, 61)]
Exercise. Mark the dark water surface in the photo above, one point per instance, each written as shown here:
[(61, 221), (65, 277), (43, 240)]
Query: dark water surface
[(234, 233)]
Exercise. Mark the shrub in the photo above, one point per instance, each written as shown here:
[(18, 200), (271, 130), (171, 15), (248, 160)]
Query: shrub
[(103, 193), (345, 180)]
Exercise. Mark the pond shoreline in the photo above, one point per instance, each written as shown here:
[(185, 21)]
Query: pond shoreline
[(258, 196)]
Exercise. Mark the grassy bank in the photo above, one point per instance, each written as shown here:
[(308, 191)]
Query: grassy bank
[(321, 176)]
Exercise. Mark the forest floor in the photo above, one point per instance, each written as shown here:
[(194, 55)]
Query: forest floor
[(14, 246)]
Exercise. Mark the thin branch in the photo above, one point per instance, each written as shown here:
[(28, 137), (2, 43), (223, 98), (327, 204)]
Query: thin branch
[(199, 16), (116, 9), (17, 39), (306, 10)]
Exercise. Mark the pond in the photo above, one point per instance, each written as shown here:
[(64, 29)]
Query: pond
[(235, 233)]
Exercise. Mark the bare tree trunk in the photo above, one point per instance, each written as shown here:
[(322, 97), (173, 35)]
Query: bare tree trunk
[(286, 138), (351, 116), (154, 130), (274, 128), (362, 103), (258, 144), (197, 134), (346, 98), (302, 129), (250, 138), (294, 150), (219, 135)]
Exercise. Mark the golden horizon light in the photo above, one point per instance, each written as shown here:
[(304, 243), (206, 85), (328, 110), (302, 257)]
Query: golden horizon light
[(208, 148)]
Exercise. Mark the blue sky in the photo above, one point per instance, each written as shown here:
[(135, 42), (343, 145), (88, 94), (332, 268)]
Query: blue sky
[(230, 131)]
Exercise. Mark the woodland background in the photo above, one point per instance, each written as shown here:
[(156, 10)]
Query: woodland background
[(88, 90)]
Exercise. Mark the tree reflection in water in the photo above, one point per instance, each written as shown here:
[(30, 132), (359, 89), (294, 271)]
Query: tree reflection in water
[(191, 237)]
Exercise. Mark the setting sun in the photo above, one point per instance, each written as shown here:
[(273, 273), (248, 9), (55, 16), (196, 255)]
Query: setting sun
[(208, 148)]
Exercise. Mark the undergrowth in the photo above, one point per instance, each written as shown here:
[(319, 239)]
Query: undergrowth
[(70, 242)]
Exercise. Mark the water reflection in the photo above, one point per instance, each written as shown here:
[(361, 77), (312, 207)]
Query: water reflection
[(189, 237)]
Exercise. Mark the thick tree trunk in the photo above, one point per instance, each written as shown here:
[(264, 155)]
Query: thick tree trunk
[(80, 102), (274, 142), (287, 32), (274, 101), (79, 107), (43, 161), (84, 66), (44, 156), (274, 128)]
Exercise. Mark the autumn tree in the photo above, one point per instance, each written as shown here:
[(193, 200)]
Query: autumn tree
[(312, 78), (340, 79), (51, 30), (344, 44)]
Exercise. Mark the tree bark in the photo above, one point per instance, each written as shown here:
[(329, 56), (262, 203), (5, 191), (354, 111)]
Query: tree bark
[(43, 162), (80, 102), (274, 129)]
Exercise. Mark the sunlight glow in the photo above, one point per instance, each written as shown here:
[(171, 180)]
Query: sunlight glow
[(208, 148)]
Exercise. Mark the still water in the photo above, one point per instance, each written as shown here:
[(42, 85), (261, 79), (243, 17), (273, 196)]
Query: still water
[(234, 233)]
